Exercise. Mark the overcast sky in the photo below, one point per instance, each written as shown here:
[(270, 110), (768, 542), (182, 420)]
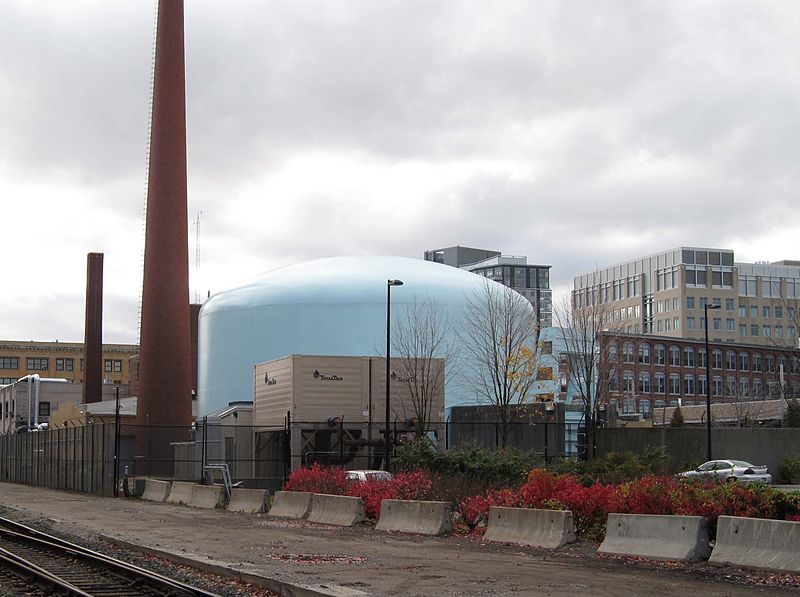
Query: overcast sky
[(577, 133)]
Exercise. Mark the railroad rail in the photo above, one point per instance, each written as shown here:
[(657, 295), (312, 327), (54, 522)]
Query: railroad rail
[(59, 567)]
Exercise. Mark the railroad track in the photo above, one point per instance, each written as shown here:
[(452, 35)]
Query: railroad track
[(59, 567)]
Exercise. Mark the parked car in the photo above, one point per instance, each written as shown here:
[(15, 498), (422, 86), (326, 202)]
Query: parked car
[(729, 470), (361, 476)]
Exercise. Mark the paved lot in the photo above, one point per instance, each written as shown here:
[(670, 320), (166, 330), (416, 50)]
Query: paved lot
[(368, 560)]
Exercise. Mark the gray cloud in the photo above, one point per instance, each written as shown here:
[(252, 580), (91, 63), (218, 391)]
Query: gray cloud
[(578, 133)]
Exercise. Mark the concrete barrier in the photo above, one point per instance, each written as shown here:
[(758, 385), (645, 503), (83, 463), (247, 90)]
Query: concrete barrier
[(656, 536), (155, 491), (527, 526), (758, 543), (207, 496), (291, 504), (340, 510), (408, 516), (181, 492), (250, 501)]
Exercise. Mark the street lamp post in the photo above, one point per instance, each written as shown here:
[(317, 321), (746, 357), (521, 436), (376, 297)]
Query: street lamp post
[(706, 308), (389, 284)]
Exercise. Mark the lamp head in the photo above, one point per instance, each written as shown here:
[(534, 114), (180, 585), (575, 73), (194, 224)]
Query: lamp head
[(394, 282)]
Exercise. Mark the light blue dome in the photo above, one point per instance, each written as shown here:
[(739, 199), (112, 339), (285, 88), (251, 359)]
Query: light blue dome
[(334, 306)]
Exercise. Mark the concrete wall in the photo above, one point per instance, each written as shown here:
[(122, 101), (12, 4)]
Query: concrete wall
[(687, 446)]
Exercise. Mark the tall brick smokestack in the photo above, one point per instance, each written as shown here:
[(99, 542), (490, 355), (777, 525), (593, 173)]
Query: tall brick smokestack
[(93, 334), (165, 372)]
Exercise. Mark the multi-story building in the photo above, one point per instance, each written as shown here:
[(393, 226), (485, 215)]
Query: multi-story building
[(63, 360), (531, 281), (644, 372), (665, 295)]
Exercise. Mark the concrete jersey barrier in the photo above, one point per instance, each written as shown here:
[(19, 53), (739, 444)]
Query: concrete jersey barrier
[(181, 492), (340, 510), (758, 543), (527, 526), (155, 491), (206, 496), (291, 504), (661, 537), (409, 516), (250, 501)]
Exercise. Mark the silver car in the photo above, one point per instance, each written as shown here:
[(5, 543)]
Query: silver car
[(729, 470)]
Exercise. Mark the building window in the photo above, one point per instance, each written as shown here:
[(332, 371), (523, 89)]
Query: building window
[(716, 359), (676, 324), (756, 390), (627, 352), (44, 409), (779, 331), (778, 312), (754, 329), (674, 384), (674, 356), (702, 385), (769, 363), (644, 406), (688, 385), (744, 361), (117, 366), (766, 311), (729, 304), (703, 302), (688, 357), (660, 403), (742, 311), (628, 406), (717, 386), (690, 323), (108, 365), (729, 325), (38, 364), (690, 302), (660, 355), (743, 329), (753, 311), (757, 362), (701, 357), (644, 383), (9, 362), (644, 354), (717, 323), (628, 382), (660, 384), (744, 387), (730, 360)]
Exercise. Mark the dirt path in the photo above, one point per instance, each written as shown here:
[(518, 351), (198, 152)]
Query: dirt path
[(371, 561)]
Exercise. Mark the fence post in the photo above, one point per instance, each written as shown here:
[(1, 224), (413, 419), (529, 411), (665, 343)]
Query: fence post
[(116, 441), (546, 456)]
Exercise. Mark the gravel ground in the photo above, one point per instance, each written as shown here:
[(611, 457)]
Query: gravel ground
[(376, 562)]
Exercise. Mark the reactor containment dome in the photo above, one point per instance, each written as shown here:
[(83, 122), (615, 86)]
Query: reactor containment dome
[(334, 306)]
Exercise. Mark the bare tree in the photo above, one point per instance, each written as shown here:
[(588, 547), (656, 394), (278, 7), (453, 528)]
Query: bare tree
[(420, 337), (587, 333), (499, 337)]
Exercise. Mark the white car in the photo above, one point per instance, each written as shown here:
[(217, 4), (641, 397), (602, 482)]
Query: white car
[(362, 476), (729, 470)]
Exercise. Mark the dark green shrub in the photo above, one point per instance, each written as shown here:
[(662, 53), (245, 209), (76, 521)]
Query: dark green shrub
[(790, 469), (677, 418), (792, 416), (614, 467), (507, 467)]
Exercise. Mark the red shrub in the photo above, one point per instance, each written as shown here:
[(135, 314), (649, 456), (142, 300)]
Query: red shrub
[(317, 479), (404, 486)]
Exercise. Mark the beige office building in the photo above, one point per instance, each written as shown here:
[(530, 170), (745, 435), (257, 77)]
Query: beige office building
[(337, 405), (665, 294)]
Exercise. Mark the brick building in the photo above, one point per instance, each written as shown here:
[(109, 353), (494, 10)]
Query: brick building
[(646, 372)]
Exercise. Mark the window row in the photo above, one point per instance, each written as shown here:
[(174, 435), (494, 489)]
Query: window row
[(770, 287), (689, 385), (690, 357)]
